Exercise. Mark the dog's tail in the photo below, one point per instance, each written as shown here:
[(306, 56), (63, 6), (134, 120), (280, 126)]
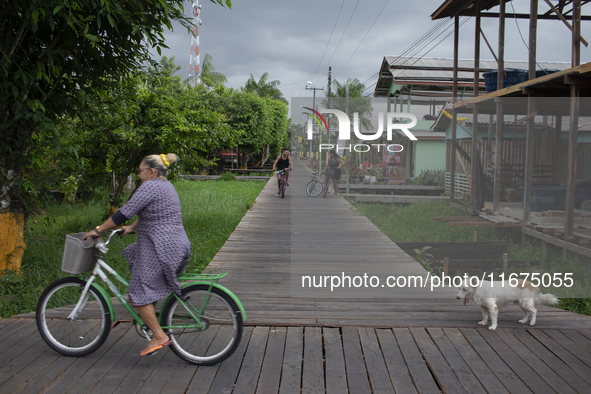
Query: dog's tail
[(547, 299)]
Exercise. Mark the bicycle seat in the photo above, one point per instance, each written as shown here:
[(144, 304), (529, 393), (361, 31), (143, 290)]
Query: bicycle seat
[(182, 267)]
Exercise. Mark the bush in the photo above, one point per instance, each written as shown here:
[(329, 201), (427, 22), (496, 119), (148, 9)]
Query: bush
[(227, 176)]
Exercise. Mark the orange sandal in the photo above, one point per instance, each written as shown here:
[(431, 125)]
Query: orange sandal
[(155, 349)]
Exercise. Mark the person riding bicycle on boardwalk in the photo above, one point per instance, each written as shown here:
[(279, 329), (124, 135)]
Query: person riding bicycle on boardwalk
[(283, 162), (161, 246), (335, 163)]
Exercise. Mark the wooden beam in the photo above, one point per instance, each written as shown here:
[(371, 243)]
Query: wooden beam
[(528, 117), (473, 174), (454, 125), (488, 45), (533, 29), (556, 158), (499, 125), (557, 12), (540, 16), (558, 242), (529, 160), (575, 91)]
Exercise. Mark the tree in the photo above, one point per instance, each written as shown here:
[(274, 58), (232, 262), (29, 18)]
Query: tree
[(150, 112), (356, 102), (54, 55), (209, 76), (264, 88)]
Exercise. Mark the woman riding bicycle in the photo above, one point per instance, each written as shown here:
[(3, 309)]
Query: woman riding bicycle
[(283, 162), (335, 163), (161, 246)]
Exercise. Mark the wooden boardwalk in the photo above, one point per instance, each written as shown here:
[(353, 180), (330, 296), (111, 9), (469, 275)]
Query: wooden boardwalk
[(313, 340), (312, 360)]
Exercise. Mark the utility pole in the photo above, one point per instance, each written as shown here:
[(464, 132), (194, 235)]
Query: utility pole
[(345, 152), (320, 129), (329, 95)]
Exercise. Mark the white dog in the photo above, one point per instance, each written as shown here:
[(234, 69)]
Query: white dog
[(492, 295)]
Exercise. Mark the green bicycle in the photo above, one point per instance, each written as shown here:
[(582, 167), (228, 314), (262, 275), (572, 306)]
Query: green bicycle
[(74, 314)]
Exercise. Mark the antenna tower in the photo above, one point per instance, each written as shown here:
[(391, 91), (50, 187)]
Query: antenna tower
[(194, 66)]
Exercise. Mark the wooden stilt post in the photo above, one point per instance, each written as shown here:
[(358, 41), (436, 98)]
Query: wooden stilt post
[(499, 124), (473, 174)]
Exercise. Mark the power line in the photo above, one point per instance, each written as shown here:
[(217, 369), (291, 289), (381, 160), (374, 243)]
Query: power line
[(371, 27), (342, 35), (335, 25)]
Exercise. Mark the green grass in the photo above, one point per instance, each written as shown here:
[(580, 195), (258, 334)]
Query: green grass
[(211, 211), (409, 223)]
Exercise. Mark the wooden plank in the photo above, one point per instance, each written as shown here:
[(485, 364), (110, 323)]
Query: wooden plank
[(149, 378), (582, 341), (399, 374), (313, 367), (203, 378), (336, 376), (6, 322), (488, 380), (81, 365), (15, 326), (553, 379), (374, 359), (229, 369), (514, 361), (181, 374), (575, 364), (18, 359), (574, 348), (585, 332), (354, 363), (555, 363), (271, 369), (253, 360), (417, 368), (439, 367), (291, 374), (458, 365), (93, 375), (494, 362), (20, 339), (558, 242), (115, 376)]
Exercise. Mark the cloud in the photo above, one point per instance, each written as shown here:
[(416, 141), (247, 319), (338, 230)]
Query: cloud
[(287, 39)]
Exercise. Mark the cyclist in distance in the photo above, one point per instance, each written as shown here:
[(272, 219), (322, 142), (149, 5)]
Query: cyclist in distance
[(283, 162), (335, 162), (161, 246)]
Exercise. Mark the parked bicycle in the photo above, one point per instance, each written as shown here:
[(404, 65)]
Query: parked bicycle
[(74, 314), (315, 187)]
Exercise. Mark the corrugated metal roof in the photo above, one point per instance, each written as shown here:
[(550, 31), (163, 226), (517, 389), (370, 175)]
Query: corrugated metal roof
[(411, 68), (430, 76), (462, 8)]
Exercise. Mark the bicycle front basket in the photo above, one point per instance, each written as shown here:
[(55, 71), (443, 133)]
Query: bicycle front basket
[(78, 257)]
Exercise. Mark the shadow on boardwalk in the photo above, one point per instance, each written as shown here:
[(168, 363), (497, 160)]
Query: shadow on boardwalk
[(308, 339)]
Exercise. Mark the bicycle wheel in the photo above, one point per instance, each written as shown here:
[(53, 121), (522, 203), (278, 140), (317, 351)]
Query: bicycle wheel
[(325, 188), (221, 317), (283, 186), (76, 336), (314, 188)]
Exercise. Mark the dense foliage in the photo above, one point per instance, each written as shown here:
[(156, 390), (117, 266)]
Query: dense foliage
[(54, 55)]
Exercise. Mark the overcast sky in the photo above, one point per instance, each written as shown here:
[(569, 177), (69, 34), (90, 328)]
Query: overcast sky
[(296, 41)]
